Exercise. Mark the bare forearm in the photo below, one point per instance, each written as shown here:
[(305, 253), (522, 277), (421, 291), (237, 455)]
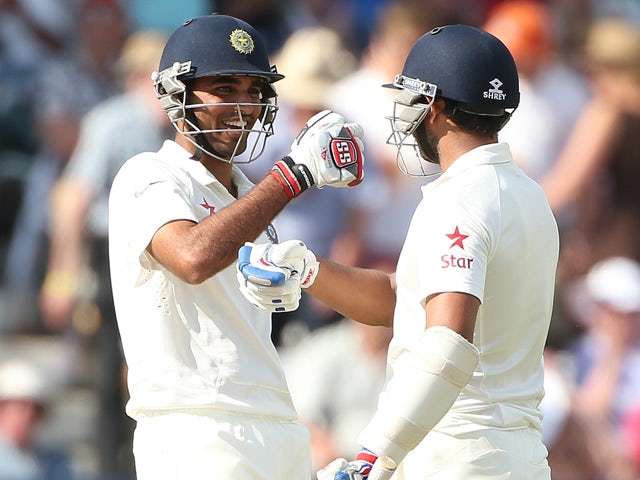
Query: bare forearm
[(582, 155), (69, 205), (364, 295), (196, 252)]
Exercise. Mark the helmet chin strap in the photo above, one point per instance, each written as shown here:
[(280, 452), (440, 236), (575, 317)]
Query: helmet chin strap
[(202, 146), (197, 155)]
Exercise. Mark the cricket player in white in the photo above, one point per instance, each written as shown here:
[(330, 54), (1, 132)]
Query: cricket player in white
[(206, 386), (473, 291)]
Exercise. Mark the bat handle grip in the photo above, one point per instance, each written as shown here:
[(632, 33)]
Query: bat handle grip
[(382, 469)]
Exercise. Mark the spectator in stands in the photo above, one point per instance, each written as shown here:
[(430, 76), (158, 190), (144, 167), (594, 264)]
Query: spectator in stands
[(387, 198), (24, 396), (593, 187), (608, 360), (68, 87), (539, 127), (77, 278), (314, 375)]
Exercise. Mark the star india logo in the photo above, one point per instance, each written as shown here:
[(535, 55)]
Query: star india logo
[(449, 260), (206, 206), (241, 41), (495, 93), (457, 238)]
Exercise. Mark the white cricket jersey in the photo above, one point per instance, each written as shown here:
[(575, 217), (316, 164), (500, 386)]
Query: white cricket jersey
[(186, 346), (486, 229)]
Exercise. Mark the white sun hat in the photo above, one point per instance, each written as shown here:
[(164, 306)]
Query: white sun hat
[(615, 282), (20, 379)]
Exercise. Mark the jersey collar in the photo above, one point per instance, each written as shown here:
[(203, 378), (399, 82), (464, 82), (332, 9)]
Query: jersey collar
[(198, 171), (492, 153)]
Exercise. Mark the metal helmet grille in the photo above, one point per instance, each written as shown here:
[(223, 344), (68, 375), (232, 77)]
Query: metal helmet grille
[(409, 110), (172, 94), (256, 136)]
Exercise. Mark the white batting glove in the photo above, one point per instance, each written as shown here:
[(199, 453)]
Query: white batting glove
[(271, 275), (330, 471), (326, 152), (357, 469)]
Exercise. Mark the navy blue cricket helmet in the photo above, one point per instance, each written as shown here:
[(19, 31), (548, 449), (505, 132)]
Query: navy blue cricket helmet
[(207, 46), (456, 62), (466, 64), (218, 45)]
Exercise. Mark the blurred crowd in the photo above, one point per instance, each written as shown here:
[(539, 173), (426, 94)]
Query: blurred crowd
[(76, 101)]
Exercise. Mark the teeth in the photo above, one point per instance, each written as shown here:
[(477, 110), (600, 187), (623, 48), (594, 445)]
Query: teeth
[(237, 123)]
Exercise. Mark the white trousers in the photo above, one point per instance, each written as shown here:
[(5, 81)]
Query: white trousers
[(489, 454), (180, 446)]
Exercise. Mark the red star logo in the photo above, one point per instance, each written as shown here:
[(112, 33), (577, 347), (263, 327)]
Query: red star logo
[(457, 238), (206, 205)]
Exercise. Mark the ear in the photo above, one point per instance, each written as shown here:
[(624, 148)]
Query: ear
[(436, 110)]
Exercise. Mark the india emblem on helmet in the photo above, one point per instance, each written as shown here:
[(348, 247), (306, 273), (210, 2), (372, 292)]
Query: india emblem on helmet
[(241, 41)]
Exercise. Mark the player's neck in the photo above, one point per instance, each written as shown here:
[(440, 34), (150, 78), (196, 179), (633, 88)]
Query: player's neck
[(222, 171), (455, 144)]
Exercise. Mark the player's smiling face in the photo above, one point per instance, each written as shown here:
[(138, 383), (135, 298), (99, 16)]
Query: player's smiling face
[(226, 109)]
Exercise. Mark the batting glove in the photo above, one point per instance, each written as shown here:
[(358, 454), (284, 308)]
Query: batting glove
[(326, 152), (357, 469), (271, 275)]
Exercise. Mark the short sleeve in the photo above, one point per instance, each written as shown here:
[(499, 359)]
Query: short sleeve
[(456, 253), (144, 199)]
